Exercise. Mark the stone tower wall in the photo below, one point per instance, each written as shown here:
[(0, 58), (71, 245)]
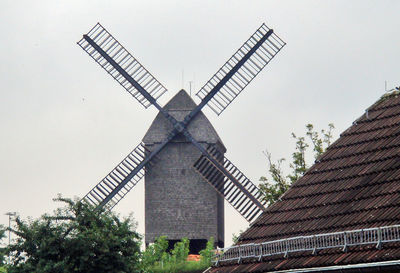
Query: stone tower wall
[(178, 201)]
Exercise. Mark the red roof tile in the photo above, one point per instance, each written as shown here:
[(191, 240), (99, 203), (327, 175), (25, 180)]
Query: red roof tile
[(354, 184)]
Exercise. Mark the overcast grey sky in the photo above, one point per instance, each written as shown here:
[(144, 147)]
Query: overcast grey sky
[(65, 123)]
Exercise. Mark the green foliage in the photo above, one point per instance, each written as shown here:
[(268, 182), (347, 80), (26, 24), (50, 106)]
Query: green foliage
[(298, 164), (3, 269), (2, 235), (281, 182), (154, 253), (164, 261), (2, 250), (235, 238), (184, 267), (76, 238), (181, 251), (207, 253), (272, 191), (156, 259), (320, 143)]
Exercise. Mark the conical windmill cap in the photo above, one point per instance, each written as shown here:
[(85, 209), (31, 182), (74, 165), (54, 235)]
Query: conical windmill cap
[(179, 107)]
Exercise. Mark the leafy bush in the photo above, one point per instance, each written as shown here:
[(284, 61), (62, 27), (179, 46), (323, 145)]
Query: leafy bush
[(156, 259), (207, 253), (180, 252), (2, 250), (75, 239), (154, 253), (183, 267)]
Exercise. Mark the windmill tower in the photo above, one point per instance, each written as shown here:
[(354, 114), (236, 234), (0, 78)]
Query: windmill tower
[(182, 155), (178, 201)]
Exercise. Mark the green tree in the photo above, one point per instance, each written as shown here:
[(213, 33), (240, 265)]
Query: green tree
[(2, 250), (76, 238), (277, 182)]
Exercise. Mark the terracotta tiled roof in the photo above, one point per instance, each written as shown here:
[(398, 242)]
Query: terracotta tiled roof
[(355, 184)]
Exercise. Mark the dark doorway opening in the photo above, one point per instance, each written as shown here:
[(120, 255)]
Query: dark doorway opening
[(195, 245)]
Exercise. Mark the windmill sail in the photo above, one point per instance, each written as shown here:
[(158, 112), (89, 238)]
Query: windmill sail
[(241, 69), (112, 188), (228, 188), (217, 93), (121, 65)]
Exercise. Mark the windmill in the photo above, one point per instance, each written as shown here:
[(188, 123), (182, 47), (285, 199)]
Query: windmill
[(179, 118)]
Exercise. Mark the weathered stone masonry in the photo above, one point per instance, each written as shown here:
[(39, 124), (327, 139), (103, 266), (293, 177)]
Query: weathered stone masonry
[(178, 202)]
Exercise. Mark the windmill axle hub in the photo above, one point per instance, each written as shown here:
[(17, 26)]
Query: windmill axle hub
[(180, 127)]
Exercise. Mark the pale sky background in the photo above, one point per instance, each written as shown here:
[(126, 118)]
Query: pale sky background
[(65, 123)]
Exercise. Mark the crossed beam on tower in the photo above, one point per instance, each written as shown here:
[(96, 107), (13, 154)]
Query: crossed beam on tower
[(217, 93)]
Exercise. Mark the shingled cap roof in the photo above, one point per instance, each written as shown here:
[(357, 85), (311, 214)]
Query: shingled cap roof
[(354, 185)]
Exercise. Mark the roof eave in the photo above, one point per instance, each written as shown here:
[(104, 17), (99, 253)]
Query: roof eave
[(395, 264)]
